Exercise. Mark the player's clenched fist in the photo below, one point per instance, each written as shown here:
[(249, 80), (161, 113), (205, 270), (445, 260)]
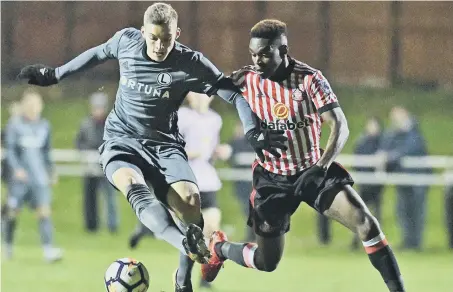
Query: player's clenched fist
[(267, 140), (41, 75)]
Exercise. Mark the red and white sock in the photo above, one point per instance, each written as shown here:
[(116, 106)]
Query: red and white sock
[(248, 254), (375, 244)]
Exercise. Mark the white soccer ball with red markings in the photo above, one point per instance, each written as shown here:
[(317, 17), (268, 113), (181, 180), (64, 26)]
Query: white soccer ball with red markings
[(126, 275)]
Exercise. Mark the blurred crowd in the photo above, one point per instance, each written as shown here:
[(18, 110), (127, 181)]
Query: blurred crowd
[(28, 171), (402, 138)]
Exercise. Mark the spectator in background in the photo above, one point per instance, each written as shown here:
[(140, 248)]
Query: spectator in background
[(243, 188), (200, 126), (449, 213), (28, 156), (368, 144), (405, 139), (90, 137)]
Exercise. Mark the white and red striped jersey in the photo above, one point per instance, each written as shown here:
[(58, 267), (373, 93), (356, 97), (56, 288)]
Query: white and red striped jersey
[(294, 105)]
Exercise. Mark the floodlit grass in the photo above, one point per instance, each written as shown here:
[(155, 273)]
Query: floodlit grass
[(306, 266)]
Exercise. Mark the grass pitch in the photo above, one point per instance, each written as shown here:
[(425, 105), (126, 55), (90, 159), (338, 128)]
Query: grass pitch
[(306, 266)]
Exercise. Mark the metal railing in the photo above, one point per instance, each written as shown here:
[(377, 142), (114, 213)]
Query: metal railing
[(71, 162)]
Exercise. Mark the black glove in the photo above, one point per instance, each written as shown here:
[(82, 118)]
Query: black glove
[(266, 140), (310, 179), (38, 75)]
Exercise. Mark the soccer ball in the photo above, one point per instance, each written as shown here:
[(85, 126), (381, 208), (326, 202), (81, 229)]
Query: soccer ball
[(126, 275)]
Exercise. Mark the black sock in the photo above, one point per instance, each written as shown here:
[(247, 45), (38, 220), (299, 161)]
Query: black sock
[(385, 262), (186, 264), (154, 215), (240, 253), (10, 228)]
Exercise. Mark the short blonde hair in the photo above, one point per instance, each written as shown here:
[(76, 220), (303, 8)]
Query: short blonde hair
[(160, 13)]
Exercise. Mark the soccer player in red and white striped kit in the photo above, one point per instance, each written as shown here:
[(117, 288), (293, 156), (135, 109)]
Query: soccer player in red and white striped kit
[(286, 94)]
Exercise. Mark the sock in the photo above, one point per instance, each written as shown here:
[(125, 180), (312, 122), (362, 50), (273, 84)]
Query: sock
[(240, 253), (46, 231), (10, 227), (154, 215), (383, 259), (186, 264)]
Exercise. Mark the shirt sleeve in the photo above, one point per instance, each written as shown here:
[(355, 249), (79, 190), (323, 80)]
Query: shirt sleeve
[(321, 93), (239, 79), (204, 74), (91, 57)]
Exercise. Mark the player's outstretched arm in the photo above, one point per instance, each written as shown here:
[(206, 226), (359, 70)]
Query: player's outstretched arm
[(260, 140), (43, 75), (213, 82)]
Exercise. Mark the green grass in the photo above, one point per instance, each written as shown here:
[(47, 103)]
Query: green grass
[(328, 270), (306, 266)]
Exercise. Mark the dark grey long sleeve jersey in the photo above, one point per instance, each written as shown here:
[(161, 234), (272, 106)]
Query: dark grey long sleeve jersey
[(149, 92), (28, 147)]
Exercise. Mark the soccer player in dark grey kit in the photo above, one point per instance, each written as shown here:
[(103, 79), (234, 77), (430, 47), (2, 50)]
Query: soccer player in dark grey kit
[(143, 155), (28, 158)]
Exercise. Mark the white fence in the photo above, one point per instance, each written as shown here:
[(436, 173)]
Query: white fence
[(70, 162)]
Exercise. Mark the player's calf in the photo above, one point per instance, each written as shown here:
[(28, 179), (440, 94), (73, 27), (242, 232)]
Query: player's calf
[(51, 253), (184, 199), (349, 209), (380, 254), (129, 179), (265, 255)]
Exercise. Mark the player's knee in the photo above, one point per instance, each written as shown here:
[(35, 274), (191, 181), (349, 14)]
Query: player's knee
[(124, 177), (189, 210), (267, 265), (43, 211), (192, 199), (266, 261), (368, 227)]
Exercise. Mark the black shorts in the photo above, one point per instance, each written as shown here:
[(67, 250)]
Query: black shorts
[(160, 165), (208, 200), (272, 201)]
